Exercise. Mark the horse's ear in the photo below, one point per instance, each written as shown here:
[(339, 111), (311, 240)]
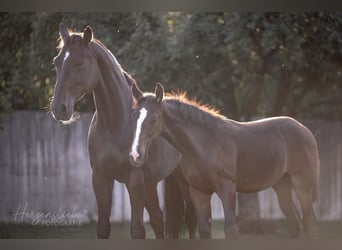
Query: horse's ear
[(137, 93), (63, 31), (159, 92), (87, 35)]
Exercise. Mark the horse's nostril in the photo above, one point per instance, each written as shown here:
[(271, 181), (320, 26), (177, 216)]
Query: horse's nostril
[(131, 158), (63, 108), (135, 160)]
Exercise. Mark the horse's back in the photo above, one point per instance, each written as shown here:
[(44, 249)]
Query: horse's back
[(294, 132)]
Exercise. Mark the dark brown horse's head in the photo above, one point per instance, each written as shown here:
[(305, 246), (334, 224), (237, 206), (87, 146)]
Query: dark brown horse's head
[(77, 72), (148, 122)]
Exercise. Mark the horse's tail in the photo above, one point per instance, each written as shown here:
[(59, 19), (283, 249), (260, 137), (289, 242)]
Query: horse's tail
[(174, 208)]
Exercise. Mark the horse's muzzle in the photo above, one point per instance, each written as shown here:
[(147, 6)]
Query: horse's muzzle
[(60, 112), (135, 161)]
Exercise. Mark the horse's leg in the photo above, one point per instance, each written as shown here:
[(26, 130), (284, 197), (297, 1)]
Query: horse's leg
[(103, 188), (190, 212), (190, 217), (202, 205), (226, 191), (152, 206), (304, 190), (136, 190), (283, 189)]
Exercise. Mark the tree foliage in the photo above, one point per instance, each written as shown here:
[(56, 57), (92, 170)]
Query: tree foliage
[(247, 64)]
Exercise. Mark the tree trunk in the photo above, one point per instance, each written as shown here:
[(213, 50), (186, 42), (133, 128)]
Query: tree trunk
[(282, 93)]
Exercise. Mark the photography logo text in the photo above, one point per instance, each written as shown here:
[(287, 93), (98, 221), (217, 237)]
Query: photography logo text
[(60, 217)]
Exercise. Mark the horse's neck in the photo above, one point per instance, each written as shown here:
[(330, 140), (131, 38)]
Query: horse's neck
[(177, 132), (112, 96)]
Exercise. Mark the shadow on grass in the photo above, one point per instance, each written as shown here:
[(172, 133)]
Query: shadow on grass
[(276, 229)]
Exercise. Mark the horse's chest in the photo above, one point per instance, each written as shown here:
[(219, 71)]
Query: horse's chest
[(109, 159)]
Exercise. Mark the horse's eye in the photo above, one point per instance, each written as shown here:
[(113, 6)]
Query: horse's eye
[(79, 63)]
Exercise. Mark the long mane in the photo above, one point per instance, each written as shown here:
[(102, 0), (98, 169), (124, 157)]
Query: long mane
[(195, 111)]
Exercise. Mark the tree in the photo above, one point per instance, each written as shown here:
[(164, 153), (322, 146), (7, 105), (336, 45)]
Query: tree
[(247, 64), (16, 30)]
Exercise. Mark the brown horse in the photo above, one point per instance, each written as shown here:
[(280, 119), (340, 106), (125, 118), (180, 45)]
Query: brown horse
[(225, 156), (85, 65)]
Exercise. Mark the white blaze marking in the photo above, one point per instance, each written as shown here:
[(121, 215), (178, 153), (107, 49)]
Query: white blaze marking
[(134, 150), (66, 55)]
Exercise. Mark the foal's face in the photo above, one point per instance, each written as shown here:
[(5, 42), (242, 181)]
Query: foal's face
[(148, 125), (77, 73)]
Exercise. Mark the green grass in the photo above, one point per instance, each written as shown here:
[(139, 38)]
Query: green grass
[(327, 230)]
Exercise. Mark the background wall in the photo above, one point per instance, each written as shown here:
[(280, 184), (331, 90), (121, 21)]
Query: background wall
[(44, 166)]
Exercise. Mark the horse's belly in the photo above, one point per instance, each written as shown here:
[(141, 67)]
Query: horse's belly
[(254, 177), (250, 187)]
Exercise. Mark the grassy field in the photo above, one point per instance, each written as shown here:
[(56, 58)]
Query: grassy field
[(327, 230)]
